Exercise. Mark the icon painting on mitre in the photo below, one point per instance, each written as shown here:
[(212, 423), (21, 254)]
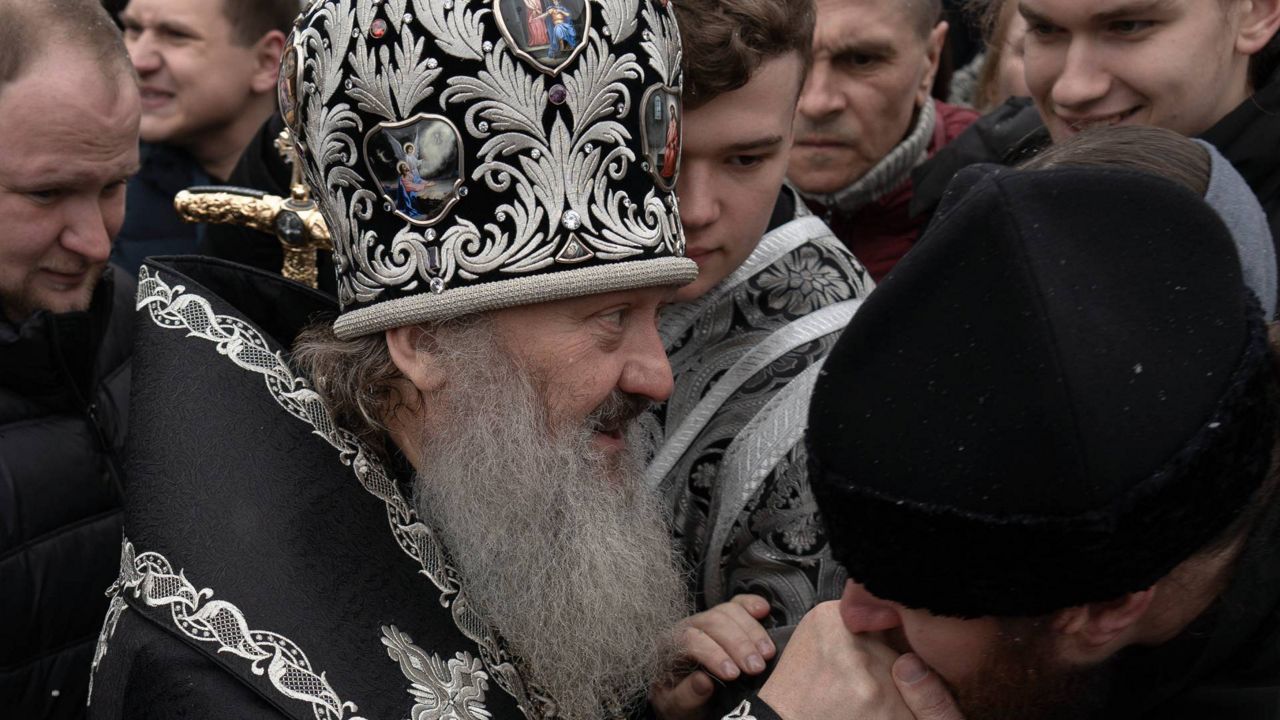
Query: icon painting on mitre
[(662, 133), (418, 166), (546, 31)]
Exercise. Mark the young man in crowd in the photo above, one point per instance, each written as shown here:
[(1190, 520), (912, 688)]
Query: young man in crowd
[(208, 72), (746, 338), (867, 118), (1204, 69), (1074, 515), (69, 111)]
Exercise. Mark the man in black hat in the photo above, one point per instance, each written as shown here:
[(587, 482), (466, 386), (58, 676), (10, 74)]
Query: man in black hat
[(1045, 449)]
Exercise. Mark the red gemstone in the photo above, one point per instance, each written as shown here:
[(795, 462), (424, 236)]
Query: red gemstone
[(378, 29)]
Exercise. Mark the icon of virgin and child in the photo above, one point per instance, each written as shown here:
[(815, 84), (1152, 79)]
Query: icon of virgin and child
[(417, 166)]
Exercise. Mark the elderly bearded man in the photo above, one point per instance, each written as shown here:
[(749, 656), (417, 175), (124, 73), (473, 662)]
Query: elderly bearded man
[(432, 508)]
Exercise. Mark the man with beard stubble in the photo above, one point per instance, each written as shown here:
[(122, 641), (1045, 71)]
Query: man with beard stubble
[(69, 112), (866, 118), (1086, 526)]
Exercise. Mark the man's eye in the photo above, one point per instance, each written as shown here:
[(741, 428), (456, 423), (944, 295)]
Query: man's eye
[(1130, 27), (43, 196), (1042, 29), (858, 60), (746, 160), (613, 319)]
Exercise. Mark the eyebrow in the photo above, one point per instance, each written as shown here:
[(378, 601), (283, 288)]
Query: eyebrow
[(166, 26), (866, 47), (757, 144), (1141, 7)]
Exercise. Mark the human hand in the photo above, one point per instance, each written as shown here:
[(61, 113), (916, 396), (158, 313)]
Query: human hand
[(725, 642), (827, 673), (923, 691)]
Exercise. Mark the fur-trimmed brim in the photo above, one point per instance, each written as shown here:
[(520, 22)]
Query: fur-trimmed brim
[(456, 302)]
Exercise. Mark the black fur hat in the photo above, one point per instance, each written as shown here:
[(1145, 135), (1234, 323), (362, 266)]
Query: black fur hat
[(1060, 394)]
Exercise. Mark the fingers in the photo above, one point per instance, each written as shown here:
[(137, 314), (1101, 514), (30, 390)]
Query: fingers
[(728, 640), (686, 700), (922, 690)]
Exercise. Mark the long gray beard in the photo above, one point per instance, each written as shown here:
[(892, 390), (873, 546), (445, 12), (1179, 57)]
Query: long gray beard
[(560, 546)]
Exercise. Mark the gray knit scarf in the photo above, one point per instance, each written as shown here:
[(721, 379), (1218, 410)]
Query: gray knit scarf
[(887, 174)]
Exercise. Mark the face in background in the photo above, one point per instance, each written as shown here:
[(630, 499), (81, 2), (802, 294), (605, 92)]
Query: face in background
[(871, 71), (197, 79), (1176, 64), (524, 470), (735, 156), (69, 129), (1011, 79), (996, 668)]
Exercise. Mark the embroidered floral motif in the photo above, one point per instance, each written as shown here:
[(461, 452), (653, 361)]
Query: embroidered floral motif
[(805, 284), (174, 308), (151, 578), (443, 691)]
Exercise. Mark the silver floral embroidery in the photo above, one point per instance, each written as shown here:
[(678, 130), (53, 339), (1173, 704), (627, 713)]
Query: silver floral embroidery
[(808, 284), (114, 611), (742, 712), (174, 308), (151, 578), (452, 690), (552, 171)]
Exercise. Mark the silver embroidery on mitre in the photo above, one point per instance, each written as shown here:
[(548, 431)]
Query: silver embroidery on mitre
[(174, 308), (452, 690), (152, 579), (548, 172)]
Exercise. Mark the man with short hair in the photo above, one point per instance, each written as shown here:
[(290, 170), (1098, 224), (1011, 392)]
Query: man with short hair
[(774, 289), (208, 73), (867, 118), (1086, 525), (69, 113), (432, 507), (1207, 69)]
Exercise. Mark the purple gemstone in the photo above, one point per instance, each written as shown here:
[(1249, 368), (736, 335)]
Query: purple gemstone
[(558, 94)]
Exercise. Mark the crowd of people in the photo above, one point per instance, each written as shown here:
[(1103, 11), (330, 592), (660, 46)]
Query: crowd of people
[(755, 360)]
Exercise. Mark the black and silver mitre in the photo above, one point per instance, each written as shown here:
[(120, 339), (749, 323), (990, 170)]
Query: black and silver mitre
[(470, 155)]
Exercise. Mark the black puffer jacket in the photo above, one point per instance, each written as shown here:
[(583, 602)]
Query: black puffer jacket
[(64, 393)]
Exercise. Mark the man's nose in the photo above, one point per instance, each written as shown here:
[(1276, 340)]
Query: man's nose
[(863, 612), (1083, 80), (647, 372), (820, 98), (85, 232), (697, 193), (144, 53)]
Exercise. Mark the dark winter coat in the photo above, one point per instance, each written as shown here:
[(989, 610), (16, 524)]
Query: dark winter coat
[(64, 392)]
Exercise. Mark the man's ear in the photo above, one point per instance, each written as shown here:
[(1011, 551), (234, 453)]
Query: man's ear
[(410, 351), (1091, 633), (267, 53), (933, 52), (1259, 22)]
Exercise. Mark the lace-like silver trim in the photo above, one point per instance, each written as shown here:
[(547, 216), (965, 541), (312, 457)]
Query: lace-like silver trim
[(114, 611), (174, 308), (742, 712), (817, 324), (152, 579), (766, 439)]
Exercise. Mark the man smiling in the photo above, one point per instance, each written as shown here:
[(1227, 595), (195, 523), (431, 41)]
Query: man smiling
[(208, 77), (1205, 68)]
